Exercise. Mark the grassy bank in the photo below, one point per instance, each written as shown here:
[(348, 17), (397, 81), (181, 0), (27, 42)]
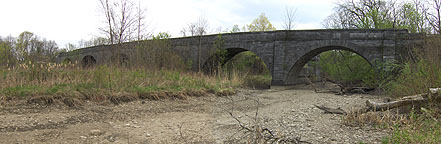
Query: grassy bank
[(424, 127), (421, 123), (419, 74), (105, 82)]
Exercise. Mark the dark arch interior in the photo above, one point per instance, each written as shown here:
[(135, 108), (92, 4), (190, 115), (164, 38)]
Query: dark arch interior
[(215, 61), (120, 59), (240, 63), (294, 73), (88, 61)]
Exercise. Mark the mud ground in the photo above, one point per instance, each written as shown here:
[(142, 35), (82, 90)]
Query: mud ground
[(288, 112)]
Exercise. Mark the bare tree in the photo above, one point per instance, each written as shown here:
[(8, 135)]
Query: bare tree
[(201, 26), (70, 47), (124, 20), (434, 16), (197, 28), (289, 18), (183, 32), (190, 29), (421, 9), (109, 13), (201, 29), (140, 23)]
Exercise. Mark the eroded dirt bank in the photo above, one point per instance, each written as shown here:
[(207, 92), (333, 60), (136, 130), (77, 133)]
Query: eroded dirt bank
[(195, 120)]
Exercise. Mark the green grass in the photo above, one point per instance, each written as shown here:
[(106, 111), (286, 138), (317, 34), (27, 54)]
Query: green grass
[(56, 88), (425, 129), (20, 91)]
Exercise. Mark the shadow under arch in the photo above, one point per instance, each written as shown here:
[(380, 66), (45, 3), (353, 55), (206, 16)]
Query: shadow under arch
[(241, 63), (219, 59), (88, 61), (293, 74)]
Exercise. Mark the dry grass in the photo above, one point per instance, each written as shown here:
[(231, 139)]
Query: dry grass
[(418, 126), (385, 119), (424, 127), (47, 83), (421, 72)]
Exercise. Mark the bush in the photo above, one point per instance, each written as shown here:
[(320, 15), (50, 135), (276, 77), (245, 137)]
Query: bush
[(345, 67), (422, 73)]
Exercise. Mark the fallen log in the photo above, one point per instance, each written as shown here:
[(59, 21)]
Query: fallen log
[(331, 110), (348, 88), (328, 91), (378, 106), (415, 99)]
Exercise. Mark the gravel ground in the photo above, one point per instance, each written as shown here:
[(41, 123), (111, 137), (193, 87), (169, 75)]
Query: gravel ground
[(285, 112)]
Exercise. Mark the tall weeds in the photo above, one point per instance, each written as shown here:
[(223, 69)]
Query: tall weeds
[(153, 67), (54, 79), (422, 73)]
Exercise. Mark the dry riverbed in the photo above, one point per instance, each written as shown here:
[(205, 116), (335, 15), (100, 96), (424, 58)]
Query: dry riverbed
[(287, 112)]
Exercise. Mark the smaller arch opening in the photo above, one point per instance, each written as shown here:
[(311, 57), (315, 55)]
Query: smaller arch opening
[(67, 61), (219, 59), (88, 61), (239, 63)]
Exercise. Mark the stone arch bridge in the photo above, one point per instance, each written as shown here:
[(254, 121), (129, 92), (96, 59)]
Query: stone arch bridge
[(284, 52)]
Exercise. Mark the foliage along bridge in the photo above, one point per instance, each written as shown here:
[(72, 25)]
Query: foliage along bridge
[(284, 52)]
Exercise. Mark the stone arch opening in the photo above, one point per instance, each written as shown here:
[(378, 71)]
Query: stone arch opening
[(219, 58), (297, 72), (240, 62), (67, 61), (120, 59), (88, 61)]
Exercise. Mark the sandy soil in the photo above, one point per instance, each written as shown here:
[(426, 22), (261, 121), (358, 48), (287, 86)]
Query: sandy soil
[(287, 112)]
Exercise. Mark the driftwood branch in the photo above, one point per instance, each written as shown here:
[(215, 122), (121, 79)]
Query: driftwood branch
[(343, 89), (312, 84), (317, 90), (331, 110), (415, 99), (380, 106), (259, 134)]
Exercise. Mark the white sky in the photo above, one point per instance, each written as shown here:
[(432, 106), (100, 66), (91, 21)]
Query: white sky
[(69, 21)]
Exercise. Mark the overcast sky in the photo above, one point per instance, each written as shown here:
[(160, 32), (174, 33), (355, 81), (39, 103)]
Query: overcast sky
[(69, 21)]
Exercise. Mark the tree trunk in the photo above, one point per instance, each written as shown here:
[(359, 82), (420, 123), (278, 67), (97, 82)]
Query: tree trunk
[(415, 99)]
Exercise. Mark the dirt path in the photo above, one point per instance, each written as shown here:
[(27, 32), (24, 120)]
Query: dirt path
[(195, 120)]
